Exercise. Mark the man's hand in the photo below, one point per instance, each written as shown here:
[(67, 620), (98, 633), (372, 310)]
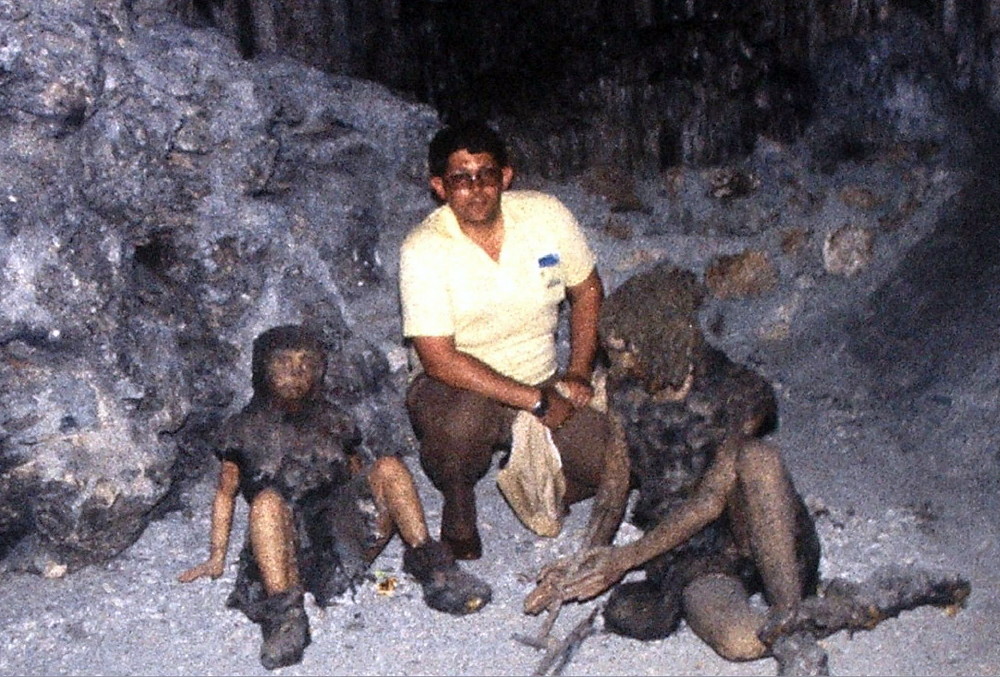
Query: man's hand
[(211, 568), (560, 409), (579, 577), (576, 389)]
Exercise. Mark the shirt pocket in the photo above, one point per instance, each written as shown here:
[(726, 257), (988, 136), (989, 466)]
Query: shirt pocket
[(550, 273)]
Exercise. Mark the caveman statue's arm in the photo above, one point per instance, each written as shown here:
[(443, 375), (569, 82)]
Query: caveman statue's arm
[(705, 505), (593, 571), (585, 300), (612, 493), (222, 523)]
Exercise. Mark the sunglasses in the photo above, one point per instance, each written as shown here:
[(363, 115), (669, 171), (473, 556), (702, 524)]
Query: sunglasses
[(487, 177)]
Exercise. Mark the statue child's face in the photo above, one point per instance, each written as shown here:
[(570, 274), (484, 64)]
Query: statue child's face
[(293, 373)]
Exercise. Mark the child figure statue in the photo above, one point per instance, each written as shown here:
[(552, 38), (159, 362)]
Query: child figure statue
[(319, 511)]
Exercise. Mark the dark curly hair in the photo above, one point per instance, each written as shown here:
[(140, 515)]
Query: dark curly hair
[(284, 337), (474, 136), (654, 317)]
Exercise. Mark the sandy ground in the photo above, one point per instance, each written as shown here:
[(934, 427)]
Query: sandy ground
[(889, 485)]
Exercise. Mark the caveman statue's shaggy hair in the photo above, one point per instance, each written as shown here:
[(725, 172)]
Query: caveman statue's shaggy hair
[(659, 336)]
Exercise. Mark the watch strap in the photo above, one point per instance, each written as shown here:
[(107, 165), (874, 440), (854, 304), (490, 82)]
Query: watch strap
[(542, 406)]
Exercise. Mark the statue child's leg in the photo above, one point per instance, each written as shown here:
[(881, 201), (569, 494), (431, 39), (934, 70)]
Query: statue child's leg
[(766, 516), (398, 503), (284, 624), (272, 537)]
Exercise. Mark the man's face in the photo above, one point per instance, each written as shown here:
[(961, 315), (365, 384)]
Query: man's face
[(292, 374), (471, 185)]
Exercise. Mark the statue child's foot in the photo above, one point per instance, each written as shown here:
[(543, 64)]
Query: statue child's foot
[(446, 586), (285, 629)]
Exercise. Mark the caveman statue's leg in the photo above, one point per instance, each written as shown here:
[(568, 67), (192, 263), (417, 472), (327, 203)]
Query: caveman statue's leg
[(748, 481), (761, 505), (446, 586), (764, 514), (717, 608), (272, 537), (761, 509)]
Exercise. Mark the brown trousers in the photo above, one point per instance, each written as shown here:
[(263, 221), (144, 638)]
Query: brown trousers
[(459, 431)]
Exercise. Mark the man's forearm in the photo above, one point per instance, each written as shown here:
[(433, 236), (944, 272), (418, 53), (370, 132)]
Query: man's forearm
[(461, 370)]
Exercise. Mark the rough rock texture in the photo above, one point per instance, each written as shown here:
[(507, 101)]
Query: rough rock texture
[(640, 84), (748, 273), (162, 202)]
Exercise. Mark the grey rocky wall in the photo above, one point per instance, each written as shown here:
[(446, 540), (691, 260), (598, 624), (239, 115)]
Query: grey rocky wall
[(162, 201)]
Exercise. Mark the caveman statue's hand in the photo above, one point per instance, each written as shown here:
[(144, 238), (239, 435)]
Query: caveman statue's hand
[(579, 577), (211, 568)]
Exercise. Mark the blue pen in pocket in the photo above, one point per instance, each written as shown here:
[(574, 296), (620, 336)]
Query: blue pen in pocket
[(548, 261), (548, 267)]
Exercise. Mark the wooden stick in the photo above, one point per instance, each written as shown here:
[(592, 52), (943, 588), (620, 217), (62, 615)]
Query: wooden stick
[(561, 654), (543, 639)]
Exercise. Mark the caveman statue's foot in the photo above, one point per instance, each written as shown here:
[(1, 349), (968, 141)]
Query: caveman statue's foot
[(446, 586), (285, 628), (642, 610)]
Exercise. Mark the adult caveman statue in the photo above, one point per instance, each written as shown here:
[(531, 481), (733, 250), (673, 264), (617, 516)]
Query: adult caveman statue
[(721, 516), (722, 519)]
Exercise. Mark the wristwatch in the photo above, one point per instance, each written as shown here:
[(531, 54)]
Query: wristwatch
[(542, 406)]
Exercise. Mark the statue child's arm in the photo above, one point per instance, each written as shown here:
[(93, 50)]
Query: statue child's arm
[(222, 522)]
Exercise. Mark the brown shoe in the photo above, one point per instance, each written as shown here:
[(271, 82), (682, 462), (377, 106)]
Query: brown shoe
[(446, 586)]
